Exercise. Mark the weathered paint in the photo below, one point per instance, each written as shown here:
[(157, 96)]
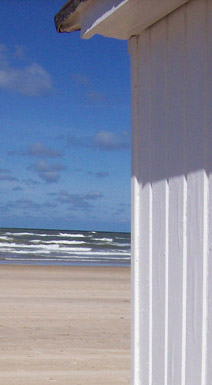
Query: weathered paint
[(171, 72)]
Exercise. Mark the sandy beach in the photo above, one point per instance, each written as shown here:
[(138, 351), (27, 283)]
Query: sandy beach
[(64, 325)]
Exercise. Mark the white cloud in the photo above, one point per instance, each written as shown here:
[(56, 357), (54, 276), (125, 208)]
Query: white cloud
[(40, 150), (37, 149), (103, 140), (106, 140), (31, 80), (48, 172)]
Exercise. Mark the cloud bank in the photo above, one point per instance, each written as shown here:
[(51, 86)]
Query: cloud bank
[(103, 140), (31, 80), (5, 176), (78, 201), (38, 150), (48, 172)]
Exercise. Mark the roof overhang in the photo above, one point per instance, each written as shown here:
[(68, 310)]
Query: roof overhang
[(119, 19)]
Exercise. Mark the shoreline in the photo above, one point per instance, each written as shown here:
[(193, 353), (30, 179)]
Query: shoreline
[(64, 324)]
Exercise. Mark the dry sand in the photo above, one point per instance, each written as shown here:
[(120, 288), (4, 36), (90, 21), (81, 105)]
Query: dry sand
[(64, 325)]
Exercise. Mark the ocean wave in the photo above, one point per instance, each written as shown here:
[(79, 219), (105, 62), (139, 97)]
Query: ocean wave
[(121, 244), (112, 252), (63, 247), (66, 250), (103, 239), (20, 234), (5, 238), (46, 234), (14, 246), (59, 242), (71, 235)]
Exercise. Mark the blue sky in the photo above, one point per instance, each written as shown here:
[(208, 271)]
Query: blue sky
[(65, 124)]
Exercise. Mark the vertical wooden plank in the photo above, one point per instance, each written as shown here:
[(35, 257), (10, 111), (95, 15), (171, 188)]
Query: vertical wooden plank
[(208, 380), (141, 193), (177, 191), (135, 209), (197, 183), (145, 270), (159, 202)]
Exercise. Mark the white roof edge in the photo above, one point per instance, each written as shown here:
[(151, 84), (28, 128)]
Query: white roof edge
[(122, 19), (88, 32)]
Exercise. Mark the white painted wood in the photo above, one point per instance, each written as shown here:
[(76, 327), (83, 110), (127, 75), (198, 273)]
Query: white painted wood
[(135, 210), (159, 202), (142, 227), (208, 120), (177, 193), (172, 167), (122, 19), (197, 184)]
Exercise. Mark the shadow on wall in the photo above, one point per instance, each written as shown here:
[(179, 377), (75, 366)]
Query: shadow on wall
[(174, 99)]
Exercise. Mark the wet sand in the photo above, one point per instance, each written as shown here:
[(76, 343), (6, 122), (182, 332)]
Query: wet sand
[(64, 325)]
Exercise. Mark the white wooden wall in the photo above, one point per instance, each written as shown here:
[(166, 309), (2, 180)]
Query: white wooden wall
[(171, 69)]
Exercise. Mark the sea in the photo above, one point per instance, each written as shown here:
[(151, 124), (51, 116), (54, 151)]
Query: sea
[(64, 247)]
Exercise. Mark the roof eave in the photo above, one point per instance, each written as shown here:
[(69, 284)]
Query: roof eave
[(118, 19)]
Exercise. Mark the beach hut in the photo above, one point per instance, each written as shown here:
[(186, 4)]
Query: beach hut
[(170, 47)]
